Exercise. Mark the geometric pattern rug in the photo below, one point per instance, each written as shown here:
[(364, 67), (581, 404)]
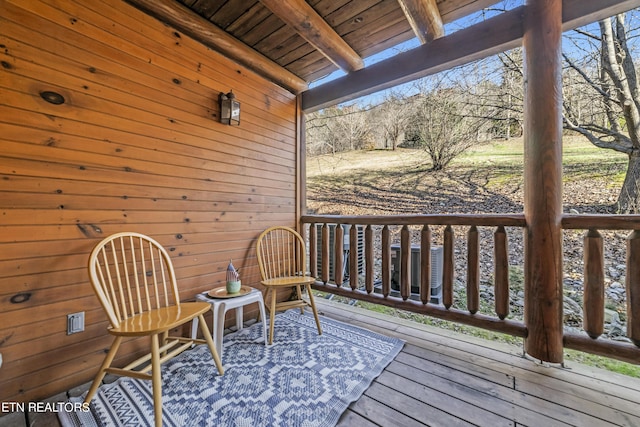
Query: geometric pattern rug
[(303, 379)]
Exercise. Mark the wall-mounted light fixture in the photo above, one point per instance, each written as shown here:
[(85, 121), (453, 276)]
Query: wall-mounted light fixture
[(229, 109)]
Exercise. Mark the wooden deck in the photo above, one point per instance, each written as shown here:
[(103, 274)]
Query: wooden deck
[(442, 378)]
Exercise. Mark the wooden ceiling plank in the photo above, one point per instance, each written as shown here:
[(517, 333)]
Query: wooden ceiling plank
[(313, 28), (486, 38), (424, 18), (193, 25)]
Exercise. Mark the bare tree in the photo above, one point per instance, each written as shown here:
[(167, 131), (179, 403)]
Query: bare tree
[(393, 118), (610, 117), (337, 129), (445, 123)]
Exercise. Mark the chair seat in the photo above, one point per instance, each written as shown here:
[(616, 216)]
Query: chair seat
[(160, 320), (289, 281)]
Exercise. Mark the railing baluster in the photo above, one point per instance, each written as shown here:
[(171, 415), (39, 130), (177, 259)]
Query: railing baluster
[(338, 254), (447, 268), (633, 287), (405, 263), (313, 250), (325, 253), (425, 264), (501, 271), (473, 270), (593, 298), (353, 257), (368, 263), (386, 261)]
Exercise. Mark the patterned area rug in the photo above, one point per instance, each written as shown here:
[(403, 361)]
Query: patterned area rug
[(303, 379)]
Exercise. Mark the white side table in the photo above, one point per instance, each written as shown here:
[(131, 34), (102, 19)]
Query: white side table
[(219, 306)]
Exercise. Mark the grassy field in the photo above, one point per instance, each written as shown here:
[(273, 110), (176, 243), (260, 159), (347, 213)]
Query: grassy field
[(503, 160)]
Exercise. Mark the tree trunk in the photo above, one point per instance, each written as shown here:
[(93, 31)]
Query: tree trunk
[(629, 198)]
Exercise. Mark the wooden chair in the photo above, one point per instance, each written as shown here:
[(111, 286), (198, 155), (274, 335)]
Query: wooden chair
[(133, 277), (282, 259)]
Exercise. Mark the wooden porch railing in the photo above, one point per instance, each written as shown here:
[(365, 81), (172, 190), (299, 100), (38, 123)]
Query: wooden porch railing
[(418, 228)]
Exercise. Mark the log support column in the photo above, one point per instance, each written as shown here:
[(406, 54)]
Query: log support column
[(543, 179)]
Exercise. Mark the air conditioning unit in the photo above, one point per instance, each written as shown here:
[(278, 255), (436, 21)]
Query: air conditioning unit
[(437, 255), (346, 243)]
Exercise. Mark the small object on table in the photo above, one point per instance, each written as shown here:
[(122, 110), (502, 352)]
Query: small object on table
[(233, 279)]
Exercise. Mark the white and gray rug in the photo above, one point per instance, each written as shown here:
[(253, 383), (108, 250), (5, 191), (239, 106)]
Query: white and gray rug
[(303, 379)]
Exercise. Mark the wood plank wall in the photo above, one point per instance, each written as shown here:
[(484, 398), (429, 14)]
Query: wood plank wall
[(136, 146)]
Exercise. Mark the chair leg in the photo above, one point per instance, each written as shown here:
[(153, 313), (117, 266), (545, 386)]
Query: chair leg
[(105, 364), (313, 308), (299, 291), (212, 347), (156, 379), (272, 314)]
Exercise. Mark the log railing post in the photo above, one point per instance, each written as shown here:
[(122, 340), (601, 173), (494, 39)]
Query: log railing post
[(425, 264), (338, 255), (368, 255), (501, 272), (593, 298), (543, 179), (473, 270), (313, 250), (353, 257), (386, 261), (405, 262), (325, 253), (447, 268), (633, 287)]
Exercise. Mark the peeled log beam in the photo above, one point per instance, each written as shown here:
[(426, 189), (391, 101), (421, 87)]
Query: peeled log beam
[(353, 257), (501, 272), (425, 264), (593, 304), (300, 16), (447, 268), (183, 19), (633, 287), (405, 263), (424, 18), (338, 254), (386, 261), (369, 261), (473, 270)]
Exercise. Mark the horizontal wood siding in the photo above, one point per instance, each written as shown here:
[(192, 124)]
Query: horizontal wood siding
[(136, 146)]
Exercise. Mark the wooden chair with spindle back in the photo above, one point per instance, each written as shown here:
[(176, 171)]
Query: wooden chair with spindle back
[(282, 258), (133, 277)]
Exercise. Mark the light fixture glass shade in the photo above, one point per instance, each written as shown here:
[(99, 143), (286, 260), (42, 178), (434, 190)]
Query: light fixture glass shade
[(229, 109)]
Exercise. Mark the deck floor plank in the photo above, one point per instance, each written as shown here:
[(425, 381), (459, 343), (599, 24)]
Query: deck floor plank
[(499, 405), (477, 382), (580, 399)]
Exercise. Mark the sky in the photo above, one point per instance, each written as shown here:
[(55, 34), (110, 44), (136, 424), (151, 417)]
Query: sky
[(450, 28)]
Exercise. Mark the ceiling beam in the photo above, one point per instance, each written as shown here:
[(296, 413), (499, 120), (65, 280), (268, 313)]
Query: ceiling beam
[(183, 19), (424, 18), (495, 35), (300, 16)]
